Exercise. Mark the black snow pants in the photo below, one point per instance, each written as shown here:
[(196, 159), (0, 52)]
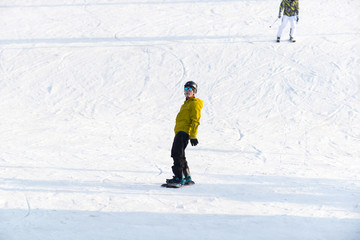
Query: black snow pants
[(180, 166)]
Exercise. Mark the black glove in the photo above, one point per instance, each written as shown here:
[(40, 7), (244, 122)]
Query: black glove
[(279, 14), (194, 142), (297, 18)]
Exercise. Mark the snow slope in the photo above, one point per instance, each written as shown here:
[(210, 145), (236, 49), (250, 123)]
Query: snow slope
[(90, 91)]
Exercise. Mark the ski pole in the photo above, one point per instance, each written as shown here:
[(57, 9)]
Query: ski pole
[(273, 22)]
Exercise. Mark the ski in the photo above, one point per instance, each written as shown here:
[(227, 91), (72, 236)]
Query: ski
[(291, 40)]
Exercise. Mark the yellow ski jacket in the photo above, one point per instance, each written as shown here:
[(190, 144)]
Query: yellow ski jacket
[(291, 8), (188, 118)]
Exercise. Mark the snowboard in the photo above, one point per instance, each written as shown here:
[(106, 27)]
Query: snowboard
[(184, 185)]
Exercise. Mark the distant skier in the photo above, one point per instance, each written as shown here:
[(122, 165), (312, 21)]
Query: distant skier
[(186, 127), (291, 13)]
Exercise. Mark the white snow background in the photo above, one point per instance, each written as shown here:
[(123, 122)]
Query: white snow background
[(90, 91)]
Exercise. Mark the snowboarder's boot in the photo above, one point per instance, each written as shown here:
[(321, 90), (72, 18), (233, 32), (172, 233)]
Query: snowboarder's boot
[(292, 39), (169, 179), (187, 179), (278, 39), (175, 182)]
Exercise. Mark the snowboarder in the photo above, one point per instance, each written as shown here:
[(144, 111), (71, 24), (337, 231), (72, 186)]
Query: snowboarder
[(186, 127), (291, 13)]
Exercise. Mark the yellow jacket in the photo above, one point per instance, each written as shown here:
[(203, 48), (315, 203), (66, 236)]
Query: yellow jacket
[(290, 7), (188, 119)]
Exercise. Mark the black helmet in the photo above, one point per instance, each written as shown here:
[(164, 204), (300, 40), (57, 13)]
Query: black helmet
[(191, 84)]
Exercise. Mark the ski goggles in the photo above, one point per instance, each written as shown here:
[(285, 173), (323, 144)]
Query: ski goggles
[(188, 89)]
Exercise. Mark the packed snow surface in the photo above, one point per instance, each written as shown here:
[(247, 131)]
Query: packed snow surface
[(89, 95)]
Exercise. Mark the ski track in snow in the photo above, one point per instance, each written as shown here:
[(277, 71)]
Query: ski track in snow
[(90, 91)]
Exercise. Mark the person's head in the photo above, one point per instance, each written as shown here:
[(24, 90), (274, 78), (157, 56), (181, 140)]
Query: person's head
[(190, 88)]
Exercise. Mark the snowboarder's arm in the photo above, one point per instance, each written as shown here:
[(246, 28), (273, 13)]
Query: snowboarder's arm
[(195, 116)]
